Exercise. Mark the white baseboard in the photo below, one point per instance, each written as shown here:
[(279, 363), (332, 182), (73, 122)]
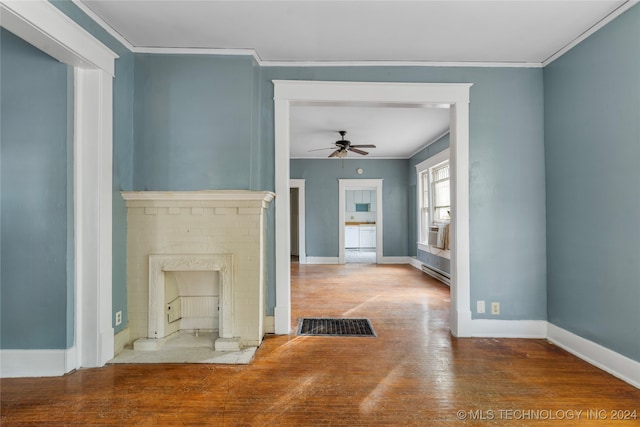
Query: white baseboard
[(395, 260), (616, 364), (36, 363), (415, 263), (489, 328), (322, 260)]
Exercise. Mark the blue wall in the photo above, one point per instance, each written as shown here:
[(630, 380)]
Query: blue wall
[(587, 131), (592, 111), (36, 208), (507, 184), (321, 209), (193, 122), (122, 150)]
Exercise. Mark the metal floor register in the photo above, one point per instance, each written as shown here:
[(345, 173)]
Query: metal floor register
[(336, 327)]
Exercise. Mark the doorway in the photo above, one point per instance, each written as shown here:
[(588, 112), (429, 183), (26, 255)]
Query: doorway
[(360, 226), (297, 227), (420, 95), (369, 185)]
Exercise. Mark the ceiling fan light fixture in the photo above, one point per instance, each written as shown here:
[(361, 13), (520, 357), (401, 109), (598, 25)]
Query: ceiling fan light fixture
[(342, 153)]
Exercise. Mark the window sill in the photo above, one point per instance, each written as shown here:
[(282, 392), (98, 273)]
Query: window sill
[(435, 251)]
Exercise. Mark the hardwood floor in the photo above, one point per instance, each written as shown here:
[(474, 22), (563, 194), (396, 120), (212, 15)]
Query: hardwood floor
[(413, 373)]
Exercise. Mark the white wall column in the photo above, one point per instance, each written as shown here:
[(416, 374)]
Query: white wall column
[(93, 153)]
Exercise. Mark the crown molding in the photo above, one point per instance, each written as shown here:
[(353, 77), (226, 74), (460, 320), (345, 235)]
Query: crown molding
[(604, 21), (268, 63), (108, 28), (468, 64), (431, 142), (199, 51)]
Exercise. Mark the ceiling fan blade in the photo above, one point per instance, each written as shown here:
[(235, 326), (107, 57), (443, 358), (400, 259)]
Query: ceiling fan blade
[(319, 149), (364, 146), (334, 154), (355, 150)]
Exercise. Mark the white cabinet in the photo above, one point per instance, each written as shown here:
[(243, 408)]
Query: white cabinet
[(359, 236), (367, 237), (352, 236), (360, 196), (350, 206)]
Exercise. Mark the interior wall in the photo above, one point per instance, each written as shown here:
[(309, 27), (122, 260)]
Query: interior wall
[(35, 202), (507, 185), (592, 106), (507, 192), (123, 91), (193, 122), (321, 191)]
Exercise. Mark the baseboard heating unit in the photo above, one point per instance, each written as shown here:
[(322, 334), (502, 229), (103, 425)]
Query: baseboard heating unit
[(437, 274)]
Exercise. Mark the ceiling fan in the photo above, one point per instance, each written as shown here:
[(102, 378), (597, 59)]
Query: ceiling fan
[(343, 146)]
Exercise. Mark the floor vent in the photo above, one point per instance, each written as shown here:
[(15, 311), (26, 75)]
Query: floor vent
[(336, 327)]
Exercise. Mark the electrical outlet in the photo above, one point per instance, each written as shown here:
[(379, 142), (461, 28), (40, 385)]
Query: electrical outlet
[(480, 306), (118, 318), (495, 308)]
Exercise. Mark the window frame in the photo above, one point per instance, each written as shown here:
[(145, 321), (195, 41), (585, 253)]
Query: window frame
[(424, 169)]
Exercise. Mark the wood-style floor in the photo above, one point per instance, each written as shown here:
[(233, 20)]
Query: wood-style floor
[(413, 373)]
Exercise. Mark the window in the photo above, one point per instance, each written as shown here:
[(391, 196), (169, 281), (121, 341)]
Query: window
[(434, 195), (440, 192)]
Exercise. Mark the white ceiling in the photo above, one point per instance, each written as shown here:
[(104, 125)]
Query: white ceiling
[(307, 32), (397, 132)]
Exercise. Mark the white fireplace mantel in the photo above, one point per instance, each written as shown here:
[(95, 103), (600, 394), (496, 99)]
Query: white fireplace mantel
[(207, 230), (213, 195)]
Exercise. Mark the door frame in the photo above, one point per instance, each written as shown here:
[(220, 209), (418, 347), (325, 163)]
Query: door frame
[(44, 26), (456, 95), (359, 184), (302, 245)]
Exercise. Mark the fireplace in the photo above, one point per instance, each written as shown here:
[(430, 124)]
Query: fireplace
[(218, 234)]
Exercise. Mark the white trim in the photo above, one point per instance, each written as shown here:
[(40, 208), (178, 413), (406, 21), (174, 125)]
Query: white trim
[(226, 195), (36, 363), (322, 260), (93, 194), (355, 184), (490, 328), (442, 253), (604, 21), (395, 260), (302, 227), (400, 64), (433, 141), (415, 263), (608, 360), (388, 93), (423, 166), (380, 63), (108, 28), (198, 51), (45, 27), (440, 157)]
